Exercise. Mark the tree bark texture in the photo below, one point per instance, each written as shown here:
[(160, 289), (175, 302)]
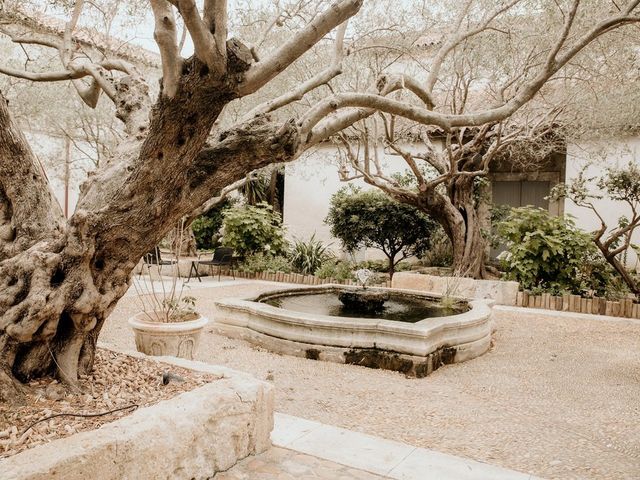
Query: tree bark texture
[(59, 279), (457, 213)]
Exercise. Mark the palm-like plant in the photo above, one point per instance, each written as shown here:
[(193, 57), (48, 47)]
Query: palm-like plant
[(307, 257)]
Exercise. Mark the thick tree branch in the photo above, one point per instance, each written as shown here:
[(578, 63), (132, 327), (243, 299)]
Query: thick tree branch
[(58, 76), (29, 211), (203, 41), (215, 17), (402, 81), (265, 70), (166, 36), (321, 78), (367, 103)]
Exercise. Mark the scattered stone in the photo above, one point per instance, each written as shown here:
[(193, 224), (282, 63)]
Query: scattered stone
[(55, 392), (171, 377)]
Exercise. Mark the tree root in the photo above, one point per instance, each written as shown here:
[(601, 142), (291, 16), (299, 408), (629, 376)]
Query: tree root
[(12, 392)]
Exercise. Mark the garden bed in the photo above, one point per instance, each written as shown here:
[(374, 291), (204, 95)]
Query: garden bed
[(119, 383), (195, 434)]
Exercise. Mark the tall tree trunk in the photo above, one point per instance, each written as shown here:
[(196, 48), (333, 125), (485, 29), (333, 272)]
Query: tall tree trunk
[(458, 216), (392, 267), (273, 191), (59, 280), (466, 234), (468, 244)]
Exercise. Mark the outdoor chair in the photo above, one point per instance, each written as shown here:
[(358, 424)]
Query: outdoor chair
[(154, 257), (222, 257)]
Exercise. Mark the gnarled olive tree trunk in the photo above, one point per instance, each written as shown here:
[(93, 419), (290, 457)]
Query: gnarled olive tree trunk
[(59, 280), (458, 214)]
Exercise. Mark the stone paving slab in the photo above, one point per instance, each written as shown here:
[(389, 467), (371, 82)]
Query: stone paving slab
[(284, 464), (390, 459)]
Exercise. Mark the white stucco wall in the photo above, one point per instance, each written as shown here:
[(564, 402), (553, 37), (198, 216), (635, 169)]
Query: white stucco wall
[(597, 156), (309, 184)]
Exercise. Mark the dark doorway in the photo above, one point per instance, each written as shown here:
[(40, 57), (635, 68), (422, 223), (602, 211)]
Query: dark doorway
[(521, 193)]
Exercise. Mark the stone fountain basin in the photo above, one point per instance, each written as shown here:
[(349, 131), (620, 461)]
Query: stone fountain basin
[(463, 336)]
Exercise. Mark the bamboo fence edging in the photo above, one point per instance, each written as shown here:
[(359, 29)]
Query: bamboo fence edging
[(625, 307), (296, 278)]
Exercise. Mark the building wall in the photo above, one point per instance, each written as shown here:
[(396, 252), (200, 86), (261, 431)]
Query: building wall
[(597, 156), (309, 184)]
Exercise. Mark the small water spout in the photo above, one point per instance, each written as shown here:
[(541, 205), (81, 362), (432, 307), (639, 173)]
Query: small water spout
[(363, 276)]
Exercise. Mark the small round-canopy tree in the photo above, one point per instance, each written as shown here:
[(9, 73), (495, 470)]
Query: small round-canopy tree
[(371, 219)]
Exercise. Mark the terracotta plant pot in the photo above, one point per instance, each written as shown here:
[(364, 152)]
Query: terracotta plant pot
[(176, 339)]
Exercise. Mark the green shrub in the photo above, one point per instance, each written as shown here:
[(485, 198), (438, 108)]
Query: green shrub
[(307, 257), (249, 230), (260, 262), (381, 266), (207, 225), (336, 269), (548, 253), (371, 219), (440, 252)]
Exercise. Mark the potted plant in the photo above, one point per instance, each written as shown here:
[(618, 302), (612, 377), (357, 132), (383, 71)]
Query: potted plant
[(169, 323)]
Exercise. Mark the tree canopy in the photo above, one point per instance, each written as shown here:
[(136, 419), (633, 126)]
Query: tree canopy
[(371, 219)]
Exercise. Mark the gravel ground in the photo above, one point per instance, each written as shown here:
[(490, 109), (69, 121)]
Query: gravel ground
[(555, 397), (118, 382)]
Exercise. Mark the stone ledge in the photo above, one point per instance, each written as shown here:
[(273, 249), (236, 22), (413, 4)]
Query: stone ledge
[(410, 365), (420, 339), (502, 292), (193, 435)]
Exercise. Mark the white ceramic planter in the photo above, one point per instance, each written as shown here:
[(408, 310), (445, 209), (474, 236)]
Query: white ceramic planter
[(177, 339)]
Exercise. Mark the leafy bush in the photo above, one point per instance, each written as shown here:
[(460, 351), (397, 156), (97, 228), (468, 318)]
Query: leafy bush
[(249, 230), (440, 252), (337, 269), (548, 253), (307, 257), (207, 225), (380, 266), (371, 219), (260, 262)]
